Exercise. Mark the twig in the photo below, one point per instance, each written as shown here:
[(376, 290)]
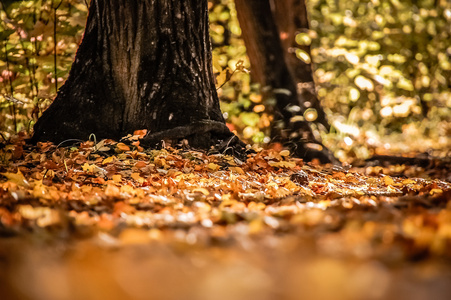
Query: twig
[(55, 43), (13, 107), (69, 140), (3, 137), (227, 79)]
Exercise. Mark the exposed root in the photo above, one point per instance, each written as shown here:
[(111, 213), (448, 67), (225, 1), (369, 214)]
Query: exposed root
[(309, 150), (202, 134), (183, 132), (422, 160)]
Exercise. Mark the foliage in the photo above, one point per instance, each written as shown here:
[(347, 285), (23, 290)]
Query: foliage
[(29, 75), (383, 73), (382, 68), (295, 229), (241, 100), (194, 225)]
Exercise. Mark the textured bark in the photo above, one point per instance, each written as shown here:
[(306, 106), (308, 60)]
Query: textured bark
[(291, 18), (270, 69), (265, 52), (141, 65)]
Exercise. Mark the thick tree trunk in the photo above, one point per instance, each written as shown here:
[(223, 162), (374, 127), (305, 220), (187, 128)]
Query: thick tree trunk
[(141, 65), (270, 69)]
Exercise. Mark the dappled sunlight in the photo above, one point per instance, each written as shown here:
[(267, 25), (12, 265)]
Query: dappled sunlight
[(382, 65), (148, 216), (115, 219)]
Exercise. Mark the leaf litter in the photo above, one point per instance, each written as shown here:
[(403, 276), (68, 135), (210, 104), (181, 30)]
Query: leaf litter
[(316, 218)]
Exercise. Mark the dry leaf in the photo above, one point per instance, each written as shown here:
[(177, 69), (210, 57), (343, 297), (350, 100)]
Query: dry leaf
[(17, 178), (122, 147)]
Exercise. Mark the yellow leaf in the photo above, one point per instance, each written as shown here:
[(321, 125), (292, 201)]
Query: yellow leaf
[(256, 98), (87, 167), (117, 178), (108, 160), (216, 65), (391, 189), (17, 178), (40, 190), (408, 181), (137, 177), (284, 153), (435, 191), (213, 167), (364, 83), (304, 56), (388, 180)]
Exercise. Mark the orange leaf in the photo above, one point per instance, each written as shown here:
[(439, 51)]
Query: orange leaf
[(140, 133), (140, 164), (112, 191), (123, 147), (137, 177)]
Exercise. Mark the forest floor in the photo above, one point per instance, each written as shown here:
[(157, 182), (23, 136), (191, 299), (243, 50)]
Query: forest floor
[(112, 220)]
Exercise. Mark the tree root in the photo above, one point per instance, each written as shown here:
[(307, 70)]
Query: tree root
[(422, 160), (309, 150), (183, 132), (203, 134)]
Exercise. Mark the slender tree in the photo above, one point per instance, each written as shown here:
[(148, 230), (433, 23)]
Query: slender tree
[(141, 65), (291, 19), (289, 80)]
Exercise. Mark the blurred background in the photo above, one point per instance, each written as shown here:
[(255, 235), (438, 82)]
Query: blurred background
[(382, 70)]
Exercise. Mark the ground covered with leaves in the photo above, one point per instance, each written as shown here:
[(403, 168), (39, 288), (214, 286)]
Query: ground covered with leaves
[(116, 221)]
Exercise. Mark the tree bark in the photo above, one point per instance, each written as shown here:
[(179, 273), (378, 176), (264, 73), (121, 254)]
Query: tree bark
[(270, 69), (141, 65), (291, 18)]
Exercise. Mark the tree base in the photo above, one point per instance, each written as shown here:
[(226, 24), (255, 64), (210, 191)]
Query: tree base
[(311, 151), (141, 65), (206, 134)]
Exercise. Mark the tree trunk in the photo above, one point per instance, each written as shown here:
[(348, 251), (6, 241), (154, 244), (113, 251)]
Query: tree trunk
[(141, 65), (270, 69), (291, 18)]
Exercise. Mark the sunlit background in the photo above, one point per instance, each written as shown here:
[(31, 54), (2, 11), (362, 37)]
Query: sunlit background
[(382, 69)]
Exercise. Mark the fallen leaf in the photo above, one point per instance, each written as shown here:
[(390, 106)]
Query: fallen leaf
[(122, 147), (137, 177), (109, 160), (17, 178), (213, 166), (112, 191)]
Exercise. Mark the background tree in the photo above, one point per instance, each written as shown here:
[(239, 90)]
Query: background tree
[(293, 24), (141, 65), (289, 80), (381, 69)]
